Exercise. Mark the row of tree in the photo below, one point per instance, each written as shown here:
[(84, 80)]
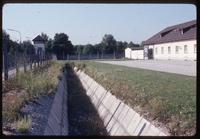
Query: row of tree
[(108, 45), (62, 46)]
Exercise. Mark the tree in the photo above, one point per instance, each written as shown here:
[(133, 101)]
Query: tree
[(45, 36), (28, 48), (132, 45), (79, 49), (108, 44), (13, 46), (88, 49), (49, 46), (61, 45)]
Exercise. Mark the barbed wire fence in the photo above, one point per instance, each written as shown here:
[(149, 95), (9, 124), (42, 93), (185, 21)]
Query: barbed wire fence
[(21, 61)]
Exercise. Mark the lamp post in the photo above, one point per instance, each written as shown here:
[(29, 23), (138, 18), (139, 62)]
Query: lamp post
[(17, 32), (16, 54)]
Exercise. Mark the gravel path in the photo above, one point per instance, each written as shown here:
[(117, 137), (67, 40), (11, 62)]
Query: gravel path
[(171, 66), (39, 111)]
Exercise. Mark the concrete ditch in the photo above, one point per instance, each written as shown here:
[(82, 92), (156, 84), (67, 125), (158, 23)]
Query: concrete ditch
[(119, 119), (58, 117)]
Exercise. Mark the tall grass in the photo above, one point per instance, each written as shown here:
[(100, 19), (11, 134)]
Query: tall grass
[(28, 86), (24, 124)]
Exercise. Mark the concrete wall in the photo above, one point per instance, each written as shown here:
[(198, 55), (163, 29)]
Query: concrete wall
[(134, 54), (119, 118), (127, 53), (181, 55), (58, 118), (137, 54)]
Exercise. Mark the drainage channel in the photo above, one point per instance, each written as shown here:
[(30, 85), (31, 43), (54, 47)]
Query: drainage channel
[(82, 116), (118, 118)]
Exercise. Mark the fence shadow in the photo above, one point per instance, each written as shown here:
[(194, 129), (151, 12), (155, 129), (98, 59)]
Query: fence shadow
[(83, 117)]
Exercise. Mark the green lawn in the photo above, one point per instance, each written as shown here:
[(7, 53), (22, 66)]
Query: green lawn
[(164, 97)]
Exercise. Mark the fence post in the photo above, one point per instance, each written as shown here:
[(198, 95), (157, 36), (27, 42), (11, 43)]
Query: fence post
[(38, 60), (78, 56), (114, 56), (5, 54), (24, 60), (34, 63), (16, 62), (30, 58), (102, 54)]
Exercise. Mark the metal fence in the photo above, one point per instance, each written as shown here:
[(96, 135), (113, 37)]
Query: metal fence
[(21, 60), (92, 56)]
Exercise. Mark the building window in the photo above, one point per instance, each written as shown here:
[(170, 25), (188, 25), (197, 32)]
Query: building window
[(195, 48), (185, 49), (177, 49), (162, 50), (156, 50), (169, 50)]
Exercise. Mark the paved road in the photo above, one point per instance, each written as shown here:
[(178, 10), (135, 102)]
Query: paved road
[(171, 66)]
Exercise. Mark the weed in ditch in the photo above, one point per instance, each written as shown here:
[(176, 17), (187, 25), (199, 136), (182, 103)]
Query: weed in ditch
[(24, 124)]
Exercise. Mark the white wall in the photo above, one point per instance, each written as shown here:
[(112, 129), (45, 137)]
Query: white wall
[(127, 53), (137, 54), (39, 45), (190, 55), (134, 54)]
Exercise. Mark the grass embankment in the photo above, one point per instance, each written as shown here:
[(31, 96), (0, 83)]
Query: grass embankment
[(164, 97), (28, 86)]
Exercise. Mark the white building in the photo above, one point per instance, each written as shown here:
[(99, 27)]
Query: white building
[(174, 42), (39, 44), (134, 54)]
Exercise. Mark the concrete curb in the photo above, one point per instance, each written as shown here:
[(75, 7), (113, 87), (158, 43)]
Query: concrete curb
[(119, 119), (58, 118)]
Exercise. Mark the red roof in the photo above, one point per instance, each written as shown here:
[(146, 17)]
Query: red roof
[(180, 32)]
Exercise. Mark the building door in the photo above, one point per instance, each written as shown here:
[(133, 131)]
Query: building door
[(150, 53)]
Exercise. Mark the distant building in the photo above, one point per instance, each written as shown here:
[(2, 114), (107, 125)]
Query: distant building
[(39, 44), (134, 53), (174, 42)]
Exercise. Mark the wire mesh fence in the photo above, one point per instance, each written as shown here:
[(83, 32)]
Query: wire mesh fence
[(21, 61), (92, 56)]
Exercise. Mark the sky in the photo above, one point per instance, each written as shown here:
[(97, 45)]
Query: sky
[(87, 23)]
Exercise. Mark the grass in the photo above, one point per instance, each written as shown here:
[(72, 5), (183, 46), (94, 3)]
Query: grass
[(28, 86), (24, 124), (164, 97)]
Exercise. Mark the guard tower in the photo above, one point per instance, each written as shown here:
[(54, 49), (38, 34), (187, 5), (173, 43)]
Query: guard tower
[(39, 43)]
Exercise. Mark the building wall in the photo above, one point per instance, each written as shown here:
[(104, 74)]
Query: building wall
[(160, 51), (134, 54), (39, 45), (128, 53), (137, 54)]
